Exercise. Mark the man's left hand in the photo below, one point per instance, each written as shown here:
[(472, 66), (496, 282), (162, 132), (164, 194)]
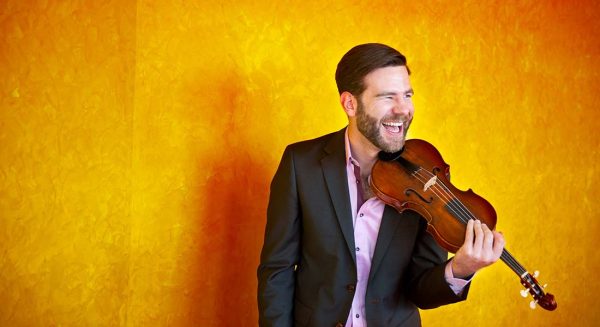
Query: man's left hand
[(482, 247)]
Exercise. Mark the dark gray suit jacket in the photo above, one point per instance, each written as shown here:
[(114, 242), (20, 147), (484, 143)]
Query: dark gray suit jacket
[(307, 272)]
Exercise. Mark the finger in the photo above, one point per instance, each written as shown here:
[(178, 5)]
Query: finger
[(479, 236), (469, 235), (488, 241), (498, 244)]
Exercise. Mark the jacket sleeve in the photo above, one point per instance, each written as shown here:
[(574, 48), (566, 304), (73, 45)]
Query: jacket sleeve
[(281, 249), (427, 285)]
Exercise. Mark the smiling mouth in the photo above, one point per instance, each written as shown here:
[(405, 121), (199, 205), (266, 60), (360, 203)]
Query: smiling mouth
[(393, 127)]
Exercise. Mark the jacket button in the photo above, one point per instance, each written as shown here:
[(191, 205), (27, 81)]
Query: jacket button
[(350, 288), (339, 324)]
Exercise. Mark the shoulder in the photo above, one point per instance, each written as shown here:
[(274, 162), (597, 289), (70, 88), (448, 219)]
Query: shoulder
[(318, 145)]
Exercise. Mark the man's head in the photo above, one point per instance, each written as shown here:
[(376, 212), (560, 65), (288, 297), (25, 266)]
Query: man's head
[(360, 61), (375, 91)]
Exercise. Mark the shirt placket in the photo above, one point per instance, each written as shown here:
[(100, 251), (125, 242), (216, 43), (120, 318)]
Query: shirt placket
[(362, 254)]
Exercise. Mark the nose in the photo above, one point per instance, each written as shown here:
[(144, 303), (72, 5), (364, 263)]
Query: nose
[(403, 107)]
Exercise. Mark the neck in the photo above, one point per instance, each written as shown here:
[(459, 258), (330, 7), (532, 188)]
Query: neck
[(362, 150)]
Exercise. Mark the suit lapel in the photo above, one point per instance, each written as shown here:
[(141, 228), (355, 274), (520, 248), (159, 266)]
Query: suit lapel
[(334, 171)]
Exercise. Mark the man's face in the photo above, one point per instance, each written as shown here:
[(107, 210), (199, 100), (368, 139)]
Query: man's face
[(385, 108)]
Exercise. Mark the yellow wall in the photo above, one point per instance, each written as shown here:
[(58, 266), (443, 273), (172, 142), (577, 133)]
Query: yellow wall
[(138, 139)]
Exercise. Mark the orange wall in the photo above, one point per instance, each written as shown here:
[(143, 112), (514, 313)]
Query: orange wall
[(138, 140)]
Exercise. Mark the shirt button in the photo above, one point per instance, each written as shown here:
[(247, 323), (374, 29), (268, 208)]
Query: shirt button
[(350, 288), (357, 248), (357, 316), (361, 214)]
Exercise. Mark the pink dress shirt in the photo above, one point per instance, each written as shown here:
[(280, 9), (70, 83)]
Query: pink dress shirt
[(366, 219)]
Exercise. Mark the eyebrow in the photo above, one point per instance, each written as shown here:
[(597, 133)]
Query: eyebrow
[(384, 94)]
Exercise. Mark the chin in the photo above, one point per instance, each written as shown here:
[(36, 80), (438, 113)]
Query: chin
[(392, 146)]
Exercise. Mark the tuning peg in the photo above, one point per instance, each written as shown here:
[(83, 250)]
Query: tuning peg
[(524, 292), (533, 305), (536, 274)]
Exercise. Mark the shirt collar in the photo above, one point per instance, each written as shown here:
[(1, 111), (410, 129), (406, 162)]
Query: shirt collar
[(349, 159)]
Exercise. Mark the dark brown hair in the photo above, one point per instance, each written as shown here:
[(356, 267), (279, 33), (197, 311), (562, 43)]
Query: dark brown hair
[(360, 61)]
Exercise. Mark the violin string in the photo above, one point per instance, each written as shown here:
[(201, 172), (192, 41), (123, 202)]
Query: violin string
[(455, 208), (520, 270), (448, 196), (445, 198), (506, 256), (459, 209), (462, 209)]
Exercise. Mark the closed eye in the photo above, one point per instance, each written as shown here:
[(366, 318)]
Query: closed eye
[(387, 95), (391, 95)]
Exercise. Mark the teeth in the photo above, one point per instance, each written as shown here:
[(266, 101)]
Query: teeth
[(394, 124)]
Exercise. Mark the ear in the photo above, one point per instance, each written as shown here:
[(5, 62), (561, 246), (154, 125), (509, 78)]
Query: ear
[(349, 103)]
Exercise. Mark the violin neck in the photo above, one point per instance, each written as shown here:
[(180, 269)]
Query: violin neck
[(510, 261)]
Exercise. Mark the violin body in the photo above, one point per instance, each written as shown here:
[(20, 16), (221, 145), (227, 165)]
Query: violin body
[(399, 185), (418, 179)]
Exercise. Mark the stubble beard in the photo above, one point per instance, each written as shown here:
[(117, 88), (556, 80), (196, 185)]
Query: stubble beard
[(370, 128)]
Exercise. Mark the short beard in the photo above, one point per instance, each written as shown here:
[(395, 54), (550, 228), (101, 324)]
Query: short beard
[(370, 128)]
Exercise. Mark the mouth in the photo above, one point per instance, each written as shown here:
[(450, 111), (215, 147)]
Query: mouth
[(394, 127)]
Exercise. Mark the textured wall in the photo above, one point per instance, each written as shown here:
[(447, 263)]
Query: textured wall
[(138, 139), (66, 103)]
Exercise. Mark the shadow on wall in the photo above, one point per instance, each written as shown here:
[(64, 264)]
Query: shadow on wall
[(229, 201)]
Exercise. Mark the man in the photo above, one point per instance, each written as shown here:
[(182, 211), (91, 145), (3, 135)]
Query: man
[(335, 255)]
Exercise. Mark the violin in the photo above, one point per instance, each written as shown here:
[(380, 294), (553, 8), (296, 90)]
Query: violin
[(417, 179)]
